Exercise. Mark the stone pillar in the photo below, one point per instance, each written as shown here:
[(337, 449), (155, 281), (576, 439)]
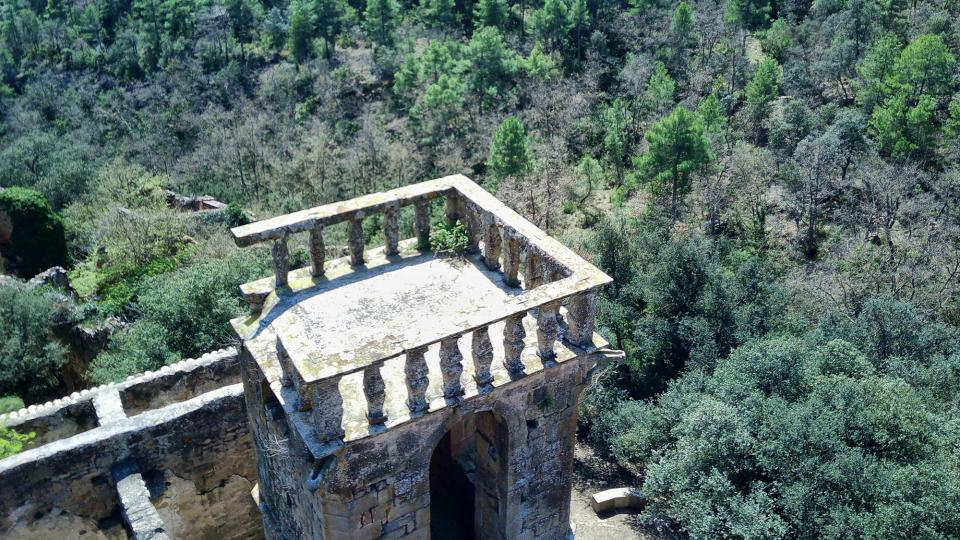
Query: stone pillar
[(391, 231), (374, 389), (474, 227), (510, 250), (451, 208), (355, 239), (415, 369), (421, 222), (318, 252), (482, 356), (547, 332), (281, 261), (581, 313), (326, 408), (491, 243), (513, 334), (451, 367), (532, 269)]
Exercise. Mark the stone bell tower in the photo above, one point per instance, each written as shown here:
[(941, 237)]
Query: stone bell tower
[(367, 421)]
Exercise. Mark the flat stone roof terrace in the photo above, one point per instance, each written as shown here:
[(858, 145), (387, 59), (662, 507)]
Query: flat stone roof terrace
[(356, 345)]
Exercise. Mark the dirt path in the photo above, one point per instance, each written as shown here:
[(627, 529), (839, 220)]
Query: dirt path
[(593, 474)]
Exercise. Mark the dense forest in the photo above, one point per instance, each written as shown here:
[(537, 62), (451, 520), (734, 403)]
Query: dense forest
[(773, 185)]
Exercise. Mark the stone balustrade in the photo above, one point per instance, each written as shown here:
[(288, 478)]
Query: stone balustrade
[(553, 278)]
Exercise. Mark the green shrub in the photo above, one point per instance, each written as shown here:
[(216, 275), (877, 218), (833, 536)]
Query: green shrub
[(37, 239), (194, 304), (10, 404), (140, 347), (30, 359), (12, 442), (450, 239)]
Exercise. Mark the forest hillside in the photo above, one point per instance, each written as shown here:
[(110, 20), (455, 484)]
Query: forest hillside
[(772, 184)]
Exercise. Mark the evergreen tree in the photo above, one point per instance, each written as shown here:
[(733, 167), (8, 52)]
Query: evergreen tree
[(762, 89), (551, 24), (681, 26), (381, 19), (329, 15), (440, 13), (677, 151), (616, 140), (660, 90), (579, 22), (490, 13), (300, 37), (509, 151), (490, 65)]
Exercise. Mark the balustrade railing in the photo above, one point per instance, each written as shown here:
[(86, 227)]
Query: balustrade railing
[(553, 276)]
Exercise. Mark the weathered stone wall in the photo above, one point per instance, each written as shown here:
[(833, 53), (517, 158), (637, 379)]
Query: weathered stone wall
[(379, 486), (185, 435)]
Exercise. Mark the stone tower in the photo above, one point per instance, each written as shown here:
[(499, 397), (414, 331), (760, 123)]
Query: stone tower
[(367, 421)]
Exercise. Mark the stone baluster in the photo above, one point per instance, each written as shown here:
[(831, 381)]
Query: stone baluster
[(472, 218), (355, 239), (391, 230), (547, 331), (451, 208), (451, 367), (415, 369), (318, 252), (581, 312), (532, 270), (375, 391), (281, 261), (421, 222), (513, 334), (325, 404), (510, 250), (482, 356), (491, 243)]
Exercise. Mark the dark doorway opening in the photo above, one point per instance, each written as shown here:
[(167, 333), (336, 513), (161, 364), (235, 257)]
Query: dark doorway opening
[(468, 480), (451, 495)]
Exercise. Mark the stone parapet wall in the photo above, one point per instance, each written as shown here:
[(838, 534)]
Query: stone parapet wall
[(183, 429)]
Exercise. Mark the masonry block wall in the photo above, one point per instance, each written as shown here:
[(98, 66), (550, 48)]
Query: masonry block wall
[(378, 487), (185, 437)]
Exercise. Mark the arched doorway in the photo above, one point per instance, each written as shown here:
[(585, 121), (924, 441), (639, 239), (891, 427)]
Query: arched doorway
[(468, 480)]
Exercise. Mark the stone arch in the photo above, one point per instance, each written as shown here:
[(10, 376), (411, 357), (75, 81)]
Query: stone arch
[(468, 475)]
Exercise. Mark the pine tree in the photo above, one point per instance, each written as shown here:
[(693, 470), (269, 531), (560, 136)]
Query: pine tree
[(678, 149), (762, 89), (579, 23), (381, 19), (509, 151), (328, 15), (490, 13), (300, 38), (551, 23)]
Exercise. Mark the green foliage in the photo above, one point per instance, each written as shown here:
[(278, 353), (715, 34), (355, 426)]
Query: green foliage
[(677, 151), (37, 239), (752, 14), (11, 442), (510, 154), (30, 358), (490, 13), (681, 25), (300, 36), (786, 431), (490, 65), (762, 89), (449, 238), (660, 90), (551, 24), (192, 306), (10, 404), (616, 139), (140, 347), (381, 19)]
